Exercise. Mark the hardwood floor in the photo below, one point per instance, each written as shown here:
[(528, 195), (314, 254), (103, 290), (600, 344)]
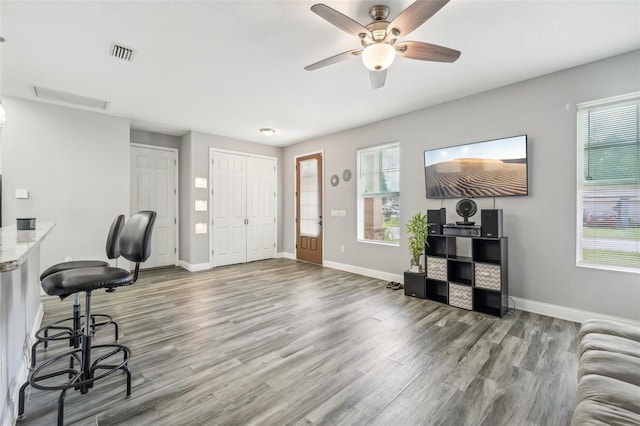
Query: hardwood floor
[(280, 342)]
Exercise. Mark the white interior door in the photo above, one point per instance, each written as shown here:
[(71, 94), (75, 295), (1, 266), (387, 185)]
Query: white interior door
[(153, 187), (261, 208), (228, 208)]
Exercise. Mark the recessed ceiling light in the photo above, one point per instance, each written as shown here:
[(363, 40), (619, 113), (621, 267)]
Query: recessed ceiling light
[(267, 131)]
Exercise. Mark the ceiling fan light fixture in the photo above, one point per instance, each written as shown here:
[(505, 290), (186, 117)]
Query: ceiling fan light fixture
[(378, 56), (267, 131)]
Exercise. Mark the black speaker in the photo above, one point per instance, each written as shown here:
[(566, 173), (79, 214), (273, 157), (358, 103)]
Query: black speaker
[(436, 219), (491, 223)]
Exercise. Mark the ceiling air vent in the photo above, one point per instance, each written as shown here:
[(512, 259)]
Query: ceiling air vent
[(121, 52), (69, 98)]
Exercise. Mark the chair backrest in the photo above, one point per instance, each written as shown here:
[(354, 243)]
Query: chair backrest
[(113, 239), (135, 240)]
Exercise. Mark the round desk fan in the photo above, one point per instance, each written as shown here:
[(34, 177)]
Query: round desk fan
[(466, 208)]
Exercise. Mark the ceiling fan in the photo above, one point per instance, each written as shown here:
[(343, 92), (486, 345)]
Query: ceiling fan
[(379, 39)]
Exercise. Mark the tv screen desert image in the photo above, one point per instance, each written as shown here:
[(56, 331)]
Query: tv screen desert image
[(494, 168)]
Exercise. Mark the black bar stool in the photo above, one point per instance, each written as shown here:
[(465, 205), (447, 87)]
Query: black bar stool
[(135, 246), (62, 330)]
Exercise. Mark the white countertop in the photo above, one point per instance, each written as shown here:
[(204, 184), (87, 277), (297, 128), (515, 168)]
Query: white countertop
[(15, 245)]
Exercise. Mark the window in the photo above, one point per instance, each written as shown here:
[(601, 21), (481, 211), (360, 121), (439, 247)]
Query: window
[(609, 184), (379, 194), (309, 205)]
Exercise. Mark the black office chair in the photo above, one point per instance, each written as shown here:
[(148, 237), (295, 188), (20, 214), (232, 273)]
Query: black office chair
[(61, 330), (135, 246)]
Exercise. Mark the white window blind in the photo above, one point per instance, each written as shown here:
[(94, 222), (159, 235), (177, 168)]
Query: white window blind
[(379, 194), (609, 184)]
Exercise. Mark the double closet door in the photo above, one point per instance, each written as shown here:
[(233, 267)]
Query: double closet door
[(243, 208)]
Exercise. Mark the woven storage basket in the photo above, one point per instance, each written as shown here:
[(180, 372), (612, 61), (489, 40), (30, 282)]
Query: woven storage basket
[(460, 296), (487, 276), (436, 268)]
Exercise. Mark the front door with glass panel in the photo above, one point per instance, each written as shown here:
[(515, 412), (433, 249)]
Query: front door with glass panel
[(309, 208)]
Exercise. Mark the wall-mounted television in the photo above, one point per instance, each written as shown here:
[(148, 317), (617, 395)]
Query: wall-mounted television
[(495, 168)]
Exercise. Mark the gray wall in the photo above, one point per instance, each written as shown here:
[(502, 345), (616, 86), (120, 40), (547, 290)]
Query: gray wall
[(75, 165), (152, 138), (541, 227), (194, 162)]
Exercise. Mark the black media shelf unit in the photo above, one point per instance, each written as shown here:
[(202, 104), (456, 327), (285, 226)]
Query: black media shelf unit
[(467, 272)]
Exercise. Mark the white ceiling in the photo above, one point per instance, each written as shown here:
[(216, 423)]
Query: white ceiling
[(231, 67)]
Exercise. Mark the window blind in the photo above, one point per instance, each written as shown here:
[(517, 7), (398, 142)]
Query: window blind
[(379, 170), (609, 184)]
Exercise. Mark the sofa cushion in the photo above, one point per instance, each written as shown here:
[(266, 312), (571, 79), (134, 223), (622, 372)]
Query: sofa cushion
[(609, 327), (591, 412), (609, 391), (611, 364), (605, 342)]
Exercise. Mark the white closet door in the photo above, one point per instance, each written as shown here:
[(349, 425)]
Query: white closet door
[(229, 209), (261, 208), (153, 187)]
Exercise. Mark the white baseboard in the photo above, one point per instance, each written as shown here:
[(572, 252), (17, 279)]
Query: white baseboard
[(556, 311), (194, 268), (285, 255), (566, 313), (381, 275)]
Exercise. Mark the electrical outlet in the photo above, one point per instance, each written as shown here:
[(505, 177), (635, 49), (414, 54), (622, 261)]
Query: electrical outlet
[(341, 248), (68, 259)]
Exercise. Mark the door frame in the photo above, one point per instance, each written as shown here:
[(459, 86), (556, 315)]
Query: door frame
[(176, 173), (295, 199), (213, 150)]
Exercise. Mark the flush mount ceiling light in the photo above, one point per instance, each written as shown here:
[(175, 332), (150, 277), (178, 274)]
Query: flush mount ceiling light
[(267, 131)]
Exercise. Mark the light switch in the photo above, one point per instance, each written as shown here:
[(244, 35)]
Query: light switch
[(22, 193), (201, 228)]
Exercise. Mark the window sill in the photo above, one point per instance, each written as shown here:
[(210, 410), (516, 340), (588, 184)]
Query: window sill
[(380, 243), (608, 268)]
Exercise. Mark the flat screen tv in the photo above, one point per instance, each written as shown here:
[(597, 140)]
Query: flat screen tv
[(495, 168)]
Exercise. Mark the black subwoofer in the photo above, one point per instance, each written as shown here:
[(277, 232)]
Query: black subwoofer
[(491, 223), (436, 219)]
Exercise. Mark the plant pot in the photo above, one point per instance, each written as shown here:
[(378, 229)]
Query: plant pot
[(415, 267)]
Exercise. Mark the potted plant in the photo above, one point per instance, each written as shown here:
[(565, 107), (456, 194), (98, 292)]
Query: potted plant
[(418, 229)]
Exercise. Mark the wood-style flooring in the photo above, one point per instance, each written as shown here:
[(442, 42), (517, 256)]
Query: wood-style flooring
[(280, 342)]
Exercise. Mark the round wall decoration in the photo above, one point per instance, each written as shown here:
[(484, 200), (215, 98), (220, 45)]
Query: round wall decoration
[(335, 180), (346, 175)]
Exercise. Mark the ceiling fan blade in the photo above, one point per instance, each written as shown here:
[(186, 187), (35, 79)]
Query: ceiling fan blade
[(415, 15), (377, 78), (332, 60), (426, 51), (339, 20)]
